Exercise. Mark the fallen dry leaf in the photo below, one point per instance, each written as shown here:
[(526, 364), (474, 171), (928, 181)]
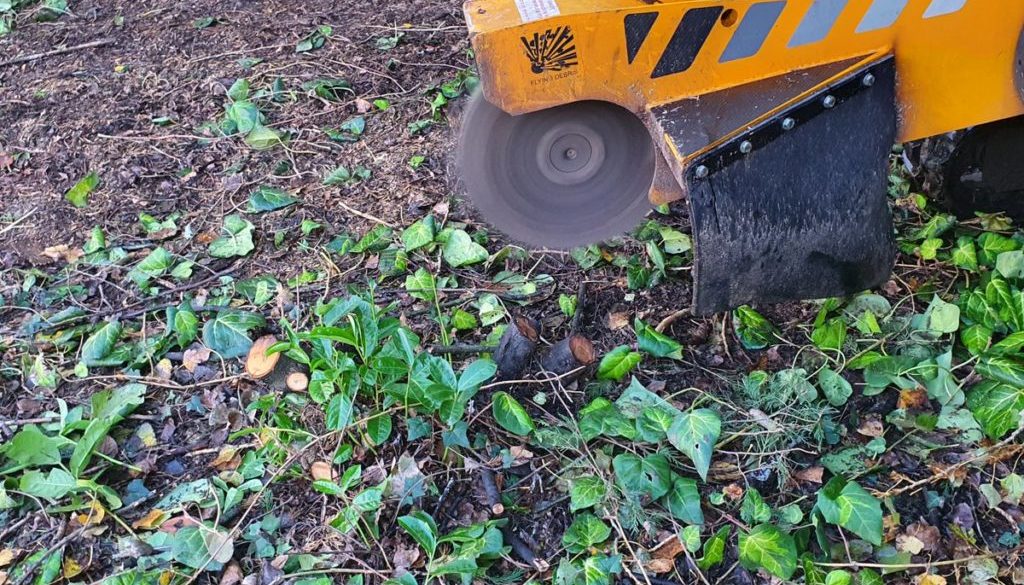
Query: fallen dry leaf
[(931, 580), (363, 106), (163, 369), (171, 526), (63, 251), (404, 558), (195, 357), (811, 474), (71, 568), (929, 535), (232, 574), (228, 459), (322, 471), (916, 399), (663, 556), (723, 471), (3, 577), (733, 491), (909, 544), (618, 320), (7, 556), (871, 428), (150, 521), (93, 516)]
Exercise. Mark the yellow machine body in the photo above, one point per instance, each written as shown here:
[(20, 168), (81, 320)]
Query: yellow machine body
[(955, 59)]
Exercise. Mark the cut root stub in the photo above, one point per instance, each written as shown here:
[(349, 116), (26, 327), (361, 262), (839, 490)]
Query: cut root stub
[(297, 381), (572, 353), (258, 363), (516, 347)]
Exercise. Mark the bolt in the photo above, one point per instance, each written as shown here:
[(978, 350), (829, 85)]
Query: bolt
[(788, 124), (829, 101), (570, 154), (869, 80), (746, 146), (701, 172)]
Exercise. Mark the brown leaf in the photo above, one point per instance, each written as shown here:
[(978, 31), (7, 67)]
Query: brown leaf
[(618, 320), (171, 526), (71, 568), (228, 459), (63, 251), (916, 399), (151, 520), (929, 535), (909, 544), (723, 471), (871, 428), (322, 471), (7, 556), (930, 580), (163, 369), (663, 556), (363, 106), (232, 574), (404, 558), (3, 577), (811, 474), (733, 491), (194, 357), (93, 515)]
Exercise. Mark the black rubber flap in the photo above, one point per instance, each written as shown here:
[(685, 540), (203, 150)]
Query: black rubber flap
[(804, 213)]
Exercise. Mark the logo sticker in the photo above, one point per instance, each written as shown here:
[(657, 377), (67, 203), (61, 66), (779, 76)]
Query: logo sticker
[(552, 50)]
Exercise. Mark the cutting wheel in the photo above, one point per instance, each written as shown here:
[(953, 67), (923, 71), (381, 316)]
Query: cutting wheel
[(568, 176)]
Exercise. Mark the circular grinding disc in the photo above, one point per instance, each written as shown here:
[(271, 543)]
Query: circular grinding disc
[(568, 176)]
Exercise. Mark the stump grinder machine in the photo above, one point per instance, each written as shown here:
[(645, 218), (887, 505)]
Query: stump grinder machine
[(774, 119)]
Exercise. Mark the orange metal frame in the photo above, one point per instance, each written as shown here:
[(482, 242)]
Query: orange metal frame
[(955, 70)]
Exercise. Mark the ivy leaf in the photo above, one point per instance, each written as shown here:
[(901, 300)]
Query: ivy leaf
[(185, 325), (421, 285), (585, 492), (766, 547), (79, 194), (656, 344), (460, 250), (753, 329), (976, 338), (155, 264), (714, 549), (420, 234), (511, 415), (269, 199), (996, 406), (754, 509), (586, 531), (649, 476), (965, 255), (683, 501), (617, 363), (830, 335), (654, 423), (421, 527), (375, 240), (263, 138), (836, 388), (101, 343), (943, 317), (845, 503), (228, 333), (695, 433), (236, 239)]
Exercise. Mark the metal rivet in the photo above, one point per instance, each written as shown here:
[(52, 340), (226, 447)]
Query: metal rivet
[(829, 101), (701, 172), (869, 80), (746, 146), (788, 124)]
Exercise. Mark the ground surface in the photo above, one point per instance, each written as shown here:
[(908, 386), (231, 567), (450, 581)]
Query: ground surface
[(132, 452)]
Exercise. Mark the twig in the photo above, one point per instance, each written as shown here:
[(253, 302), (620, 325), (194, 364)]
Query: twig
[(53, 549), (14, 223), (533, 381), (37, 56), (364, 215), (463, 349), (491, 489), (668, 321), (581, 301), (523, 550)]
